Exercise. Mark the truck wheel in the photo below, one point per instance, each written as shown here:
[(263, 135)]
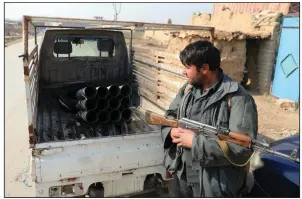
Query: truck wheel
[(150, 182), (96, 191), (155, 182)]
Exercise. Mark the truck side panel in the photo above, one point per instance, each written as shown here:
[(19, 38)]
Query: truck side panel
[(105, 155), (31, 77), (115, 184)]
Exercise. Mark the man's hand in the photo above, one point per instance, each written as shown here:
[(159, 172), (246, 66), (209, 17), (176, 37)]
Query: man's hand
[(175, 133), (185, 138)]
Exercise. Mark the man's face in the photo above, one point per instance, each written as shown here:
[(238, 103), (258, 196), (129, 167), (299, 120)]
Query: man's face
[(195, 77)]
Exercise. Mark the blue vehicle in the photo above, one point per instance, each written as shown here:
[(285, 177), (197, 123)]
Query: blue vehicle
[(279, 177)]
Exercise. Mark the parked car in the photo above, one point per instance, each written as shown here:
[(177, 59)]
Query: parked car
[(279, 177)]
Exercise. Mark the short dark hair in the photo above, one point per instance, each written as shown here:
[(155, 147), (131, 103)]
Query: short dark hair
[(199, 53)]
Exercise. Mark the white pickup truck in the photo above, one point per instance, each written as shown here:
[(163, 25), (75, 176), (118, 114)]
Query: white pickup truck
[(72, 158), (76, 158)]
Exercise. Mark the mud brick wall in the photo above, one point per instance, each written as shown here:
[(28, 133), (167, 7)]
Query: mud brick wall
[(264, 26), (267, 55), (157, 37), (266, 62), (233, 57), (233, 54)]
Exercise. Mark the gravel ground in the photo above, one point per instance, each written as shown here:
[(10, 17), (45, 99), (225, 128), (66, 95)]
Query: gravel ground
[(274, 122)]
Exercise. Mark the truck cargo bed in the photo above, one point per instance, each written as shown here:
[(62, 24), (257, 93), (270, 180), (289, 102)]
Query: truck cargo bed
[(56, 124)]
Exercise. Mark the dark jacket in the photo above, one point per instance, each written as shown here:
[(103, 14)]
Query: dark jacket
[(213, 173)]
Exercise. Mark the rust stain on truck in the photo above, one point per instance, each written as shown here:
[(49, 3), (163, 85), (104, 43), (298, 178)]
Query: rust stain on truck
[(32, 136)]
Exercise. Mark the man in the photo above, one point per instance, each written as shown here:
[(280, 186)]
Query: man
[(201, 167)]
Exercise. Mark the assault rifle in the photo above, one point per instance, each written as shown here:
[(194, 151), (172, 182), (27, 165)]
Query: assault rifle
[(222, 133)]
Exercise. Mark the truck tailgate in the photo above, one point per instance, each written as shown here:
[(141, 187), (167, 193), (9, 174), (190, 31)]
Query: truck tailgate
[(98, 156)]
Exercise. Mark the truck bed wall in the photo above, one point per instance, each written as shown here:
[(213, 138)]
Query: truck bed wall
[(59, 70)]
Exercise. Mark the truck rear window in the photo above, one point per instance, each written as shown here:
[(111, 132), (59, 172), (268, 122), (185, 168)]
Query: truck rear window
[(78, 46)]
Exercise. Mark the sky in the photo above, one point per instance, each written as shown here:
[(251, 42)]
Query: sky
[(180, 13)]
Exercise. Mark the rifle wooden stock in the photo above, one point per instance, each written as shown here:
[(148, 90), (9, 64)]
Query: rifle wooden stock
[(223, 135), (229, 139), (241, 137), (235, 137), (157, 119)]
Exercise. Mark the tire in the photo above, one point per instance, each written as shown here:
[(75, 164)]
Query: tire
[(96, 191), (150, 182), (153, 182)]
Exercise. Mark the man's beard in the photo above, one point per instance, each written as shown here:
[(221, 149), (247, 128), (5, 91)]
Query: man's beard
[(195, 82)]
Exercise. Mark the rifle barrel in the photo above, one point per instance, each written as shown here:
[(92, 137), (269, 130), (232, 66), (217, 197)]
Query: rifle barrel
[(282, 155)]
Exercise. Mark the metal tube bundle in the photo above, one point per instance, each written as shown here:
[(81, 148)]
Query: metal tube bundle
[(115, 116), (87, 104), (125, 90), (114, 90), (102, 92), (115, 103), (104, 117), (105, 104), (88, 116), (88, 92), (126, 102), (126, 112), (119, 102), (126, 115)]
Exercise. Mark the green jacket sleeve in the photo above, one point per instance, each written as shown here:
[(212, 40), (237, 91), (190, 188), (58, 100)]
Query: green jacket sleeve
[(243, 118), (171, 113)]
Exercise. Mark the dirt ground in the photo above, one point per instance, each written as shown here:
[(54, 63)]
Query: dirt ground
[(273, 121)]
